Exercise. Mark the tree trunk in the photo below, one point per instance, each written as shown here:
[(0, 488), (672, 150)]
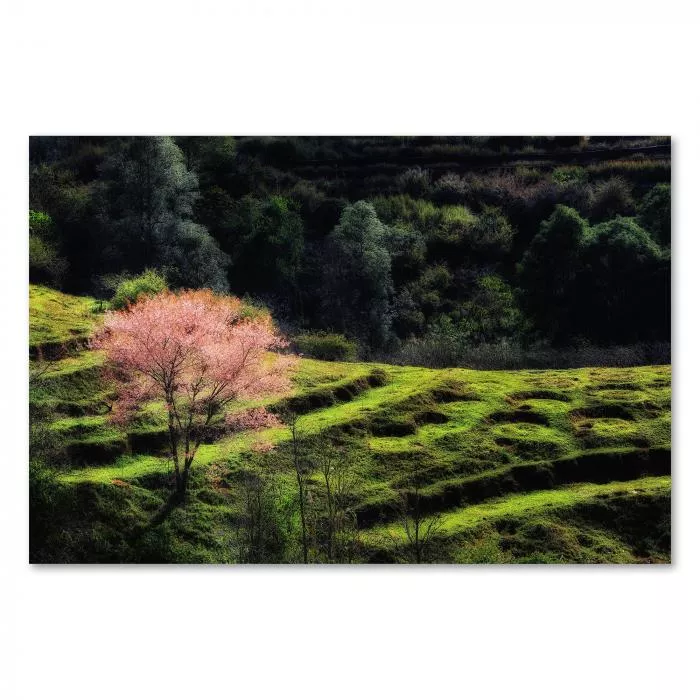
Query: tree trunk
[(331, 518), (173, 452), (302, 512)]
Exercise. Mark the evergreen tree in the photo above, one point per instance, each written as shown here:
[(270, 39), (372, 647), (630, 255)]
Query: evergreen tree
[(358, 275), (549, 272), (626, 287), (266, 241), (147, 196)]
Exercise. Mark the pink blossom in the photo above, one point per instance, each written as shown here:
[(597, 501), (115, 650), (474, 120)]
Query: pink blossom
[(196, 352)]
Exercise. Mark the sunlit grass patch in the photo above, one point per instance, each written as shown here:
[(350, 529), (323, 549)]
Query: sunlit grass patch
[(56, 318), (462, 519), (124, 468)]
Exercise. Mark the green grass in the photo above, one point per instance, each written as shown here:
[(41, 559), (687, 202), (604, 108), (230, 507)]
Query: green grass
[(57, 318), (460, 520), (124, 468), (484, 446)]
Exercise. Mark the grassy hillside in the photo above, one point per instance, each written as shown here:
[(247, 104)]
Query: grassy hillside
[(525, 466), (58, 322)]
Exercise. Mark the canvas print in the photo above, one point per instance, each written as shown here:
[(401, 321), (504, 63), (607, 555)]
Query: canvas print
[(350, 350)]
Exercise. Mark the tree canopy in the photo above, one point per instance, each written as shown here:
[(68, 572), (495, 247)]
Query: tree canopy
[(372, 237)]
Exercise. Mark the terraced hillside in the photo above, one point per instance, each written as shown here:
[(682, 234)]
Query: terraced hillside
[(523, 466)]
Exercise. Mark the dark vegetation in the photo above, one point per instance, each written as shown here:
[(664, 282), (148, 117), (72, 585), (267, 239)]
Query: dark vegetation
[(441, 251)]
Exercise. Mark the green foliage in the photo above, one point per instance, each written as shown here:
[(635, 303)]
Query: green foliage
[(449, 221), (212, 156), (597, 281), (627, 278), (492, 232), (326, 346), (570, 173), (45, 263), (40, 224), (548, 271), (358, 276), (263, 530), (625, 243), (409, 318), (490, 316), (529, 176), (130, 290), (146, 203), (256, 214), (655, 213), (429, 289), (452, 230), (492, 313), (195, 259), (403, 208), (408, 251), (56, 191), (265, 238)]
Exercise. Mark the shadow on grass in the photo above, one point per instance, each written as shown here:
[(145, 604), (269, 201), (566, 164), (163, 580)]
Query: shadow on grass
[(175, 500)]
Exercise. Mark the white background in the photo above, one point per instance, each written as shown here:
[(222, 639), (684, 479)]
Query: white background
[(358, 67)]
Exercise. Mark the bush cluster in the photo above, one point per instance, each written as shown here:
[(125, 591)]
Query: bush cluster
[(326, 346), (129, 290)]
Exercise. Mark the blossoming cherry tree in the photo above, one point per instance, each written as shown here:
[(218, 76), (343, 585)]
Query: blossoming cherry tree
[(198, 352)]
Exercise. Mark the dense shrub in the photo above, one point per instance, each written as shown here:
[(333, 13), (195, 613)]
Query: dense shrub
[(408, 317), (408, 249), (333, 347), (45, 263), (492, 232), (444, 230), (575, 194), (308, 196), (403, 208), (491, 313), (611, 198), (655, 213), (429, 290), (131, 289), (265, 238), (40, 224), (529, 176), (450, 189), (414, 182), (569, 173)]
